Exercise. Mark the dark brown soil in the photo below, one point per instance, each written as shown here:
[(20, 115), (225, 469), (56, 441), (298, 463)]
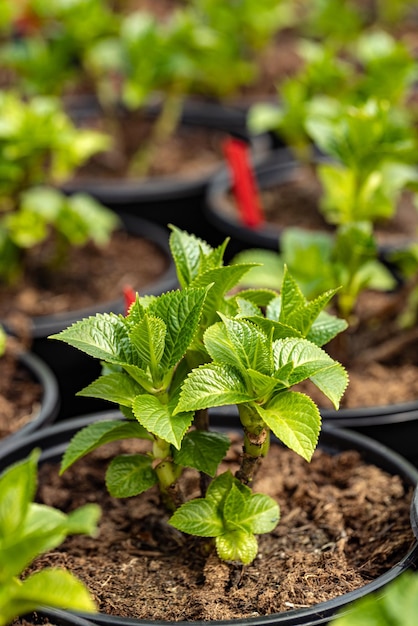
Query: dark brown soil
[(20, 394), (91, 276), (343, 523)]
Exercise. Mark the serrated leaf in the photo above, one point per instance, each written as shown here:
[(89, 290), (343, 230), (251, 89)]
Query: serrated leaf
[(325, 328), (262, 513), (212, 385), (103, 336), (202, 450), (158, 419), (198, 517), (333, 382), (187, 251), (116, 387), (221, 280), (94, 435), (129, 475), (181, 311), (237, 546), (148, 337), (294, 418), (249, 344)]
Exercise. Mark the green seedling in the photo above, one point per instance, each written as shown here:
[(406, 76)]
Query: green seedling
[(319, 261), (27, 530), (397, 605), (40, 148), (175, 355), (371, 151), (205, 48), (47, 43)]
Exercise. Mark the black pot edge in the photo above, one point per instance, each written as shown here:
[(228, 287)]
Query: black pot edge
[(212, 115), (270, 168), (46, 325), (50, 402), (59, 617), (322, 613)]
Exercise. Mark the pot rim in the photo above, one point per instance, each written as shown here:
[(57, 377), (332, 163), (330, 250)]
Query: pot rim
[(45, 325), (50, 401)]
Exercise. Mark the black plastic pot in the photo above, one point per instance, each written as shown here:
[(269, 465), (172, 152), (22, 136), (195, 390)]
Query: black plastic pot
[(57, 617), (50, 401), (74, 369), (272, 170), (53, 442), (171, 199)]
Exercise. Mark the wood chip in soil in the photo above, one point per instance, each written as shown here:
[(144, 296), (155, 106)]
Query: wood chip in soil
[(343, 523)]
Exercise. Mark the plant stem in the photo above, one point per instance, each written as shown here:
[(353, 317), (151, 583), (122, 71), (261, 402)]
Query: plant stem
[(201, 421), (164, 126), (256, 443), (167, 472)]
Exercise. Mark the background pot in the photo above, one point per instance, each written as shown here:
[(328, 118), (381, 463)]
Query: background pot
[(54, 440), (74, 369), (174, 199), (50, 400)]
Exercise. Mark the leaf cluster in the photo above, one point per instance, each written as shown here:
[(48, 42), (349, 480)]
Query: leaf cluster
[(39, 148), (27, 530), (48, 43), (176, 355)]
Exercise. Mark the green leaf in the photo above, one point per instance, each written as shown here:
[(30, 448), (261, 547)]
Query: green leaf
[(325, 328), (187, 251), (310, 361), (130, 475), (237, 545), (158, 419), (198, 517), (212, 385), (240, 344), (148, 337), (117, 387), (97, 434), (103, 336), (50, 587), (202, 450), (17, 488), (261, 513), (181, 312), (294, 418)]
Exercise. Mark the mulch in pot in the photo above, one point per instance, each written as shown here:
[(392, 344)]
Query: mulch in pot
[(20, 394), (343, 523), (92, 275)]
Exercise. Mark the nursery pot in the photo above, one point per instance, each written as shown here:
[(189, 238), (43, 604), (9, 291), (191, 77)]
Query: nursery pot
[(47, 412), (164, 199), (54, 440), (56, 617), (74, 369), (273, 170)]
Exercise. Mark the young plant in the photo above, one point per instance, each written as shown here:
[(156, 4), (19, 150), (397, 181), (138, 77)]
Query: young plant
[(371, 150), (320, 261), (175, 355), (39, 149), (204, 48), (47, 43), (28, 530)]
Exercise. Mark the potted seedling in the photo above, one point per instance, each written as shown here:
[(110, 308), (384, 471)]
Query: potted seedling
[(161, 87), (28, 530), (45, 234), (165, 363), (44, 46)]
